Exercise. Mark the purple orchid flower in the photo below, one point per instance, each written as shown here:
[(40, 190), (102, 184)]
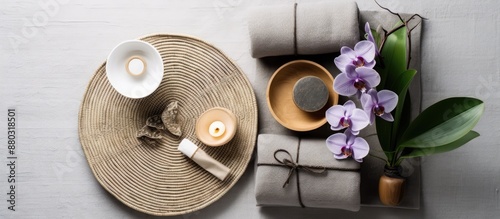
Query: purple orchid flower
[(379, 104), (369, 37), (356, 80), (344, 145), (363, 55), (347, 116)]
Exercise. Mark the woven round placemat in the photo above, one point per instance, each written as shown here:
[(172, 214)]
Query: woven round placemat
[(156, 178)]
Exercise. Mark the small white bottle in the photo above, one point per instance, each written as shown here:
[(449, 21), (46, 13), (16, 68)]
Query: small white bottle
[(199, 156)]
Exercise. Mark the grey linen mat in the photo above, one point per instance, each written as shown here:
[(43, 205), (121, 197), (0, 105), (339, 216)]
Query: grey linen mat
[(371, 168)]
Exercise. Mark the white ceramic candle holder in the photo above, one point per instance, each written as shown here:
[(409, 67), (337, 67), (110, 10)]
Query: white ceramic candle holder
[(134, 68)]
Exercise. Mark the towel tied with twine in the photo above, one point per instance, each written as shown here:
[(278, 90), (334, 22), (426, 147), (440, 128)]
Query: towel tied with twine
[(304, 173)]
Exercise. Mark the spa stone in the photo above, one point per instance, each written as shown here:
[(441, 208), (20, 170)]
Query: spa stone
[(310, 94)]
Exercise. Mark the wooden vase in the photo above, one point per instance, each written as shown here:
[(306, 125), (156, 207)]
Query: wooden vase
[(391, 186)]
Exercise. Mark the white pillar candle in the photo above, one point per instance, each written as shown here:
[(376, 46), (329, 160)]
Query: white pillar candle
[(136, 65), (216, 129)]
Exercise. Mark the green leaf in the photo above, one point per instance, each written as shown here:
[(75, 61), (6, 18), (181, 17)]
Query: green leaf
[(389, 132), (443, 123), (390, 156), (376, 37), (394, 58), (405, 118), (400, 87), (384, 132), (419, 152)]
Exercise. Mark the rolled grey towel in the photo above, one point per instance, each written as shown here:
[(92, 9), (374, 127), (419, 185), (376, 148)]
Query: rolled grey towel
[(337, 186), (305, 28)]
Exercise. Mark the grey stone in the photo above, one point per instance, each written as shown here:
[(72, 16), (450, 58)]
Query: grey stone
[(310, 94)]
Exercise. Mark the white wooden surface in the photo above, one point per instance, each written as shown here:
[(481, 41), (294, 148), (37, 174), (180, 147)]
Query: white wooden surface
[(47, 58)]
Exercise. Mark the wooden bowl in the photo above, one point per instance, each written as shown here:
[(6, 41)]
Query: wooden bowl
[(280, 95)]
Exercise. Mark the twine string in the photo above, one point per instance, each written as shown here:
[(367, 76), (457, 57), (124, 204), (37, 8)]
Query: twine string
[(295, 166)]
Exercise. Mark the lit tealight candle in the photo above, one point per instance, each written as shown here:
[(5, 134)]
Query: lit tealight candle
[(136, 65), (216, 129)]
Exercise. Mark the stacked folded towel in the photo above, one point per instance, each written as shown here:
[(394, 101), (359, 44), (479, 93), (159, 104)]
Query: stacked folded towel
[(310, 28)]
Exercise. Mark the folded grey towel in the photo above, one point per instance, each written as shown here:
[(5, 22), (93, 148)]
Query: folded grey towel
[(320, 180), (305, 28)]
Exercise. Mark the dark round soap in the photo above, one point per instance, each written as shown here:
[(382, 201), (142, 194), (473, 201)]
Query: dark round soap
[(310, 94)]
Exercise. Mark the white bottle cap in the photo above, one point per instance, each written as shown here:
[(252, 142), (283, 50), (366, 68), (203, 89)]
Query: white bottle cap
[(187, 147)]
